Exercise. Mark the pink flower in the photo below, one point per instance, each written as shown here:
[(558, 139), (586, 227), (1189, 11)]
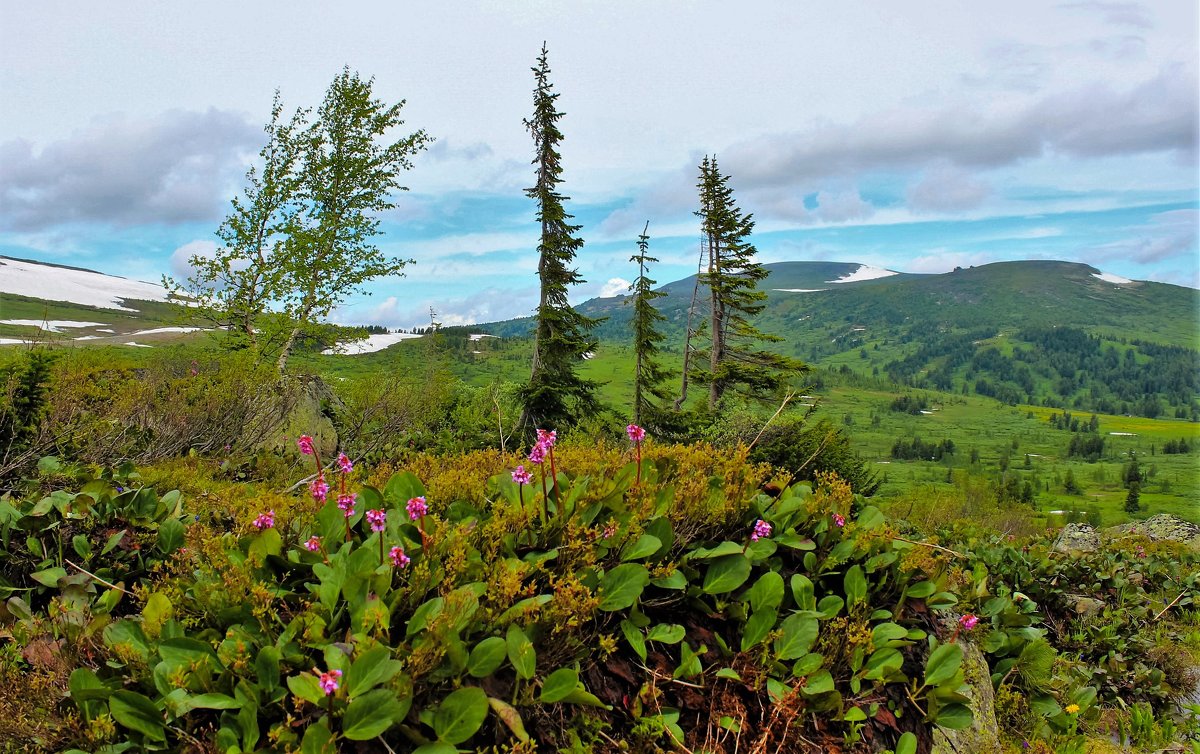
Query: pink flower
[(399, 559), (319, 488), (839, 520), (329, 681), (344, 463), (313, 544), (521, 476), (761, 529), (636, 433), (306, 445), (968, 622), (346, 502), (609, 530), (416, 508), (377, 519), (538, 454), (265, 520), (546, 438)]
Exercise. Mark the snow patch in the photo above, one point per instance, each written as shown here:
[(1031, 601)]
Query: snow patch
[(138, 345), (589, 355), (1124, 434), (11, 341), (74, 286), (158, 330), (369, 344), (52, 325), (474, 337), (864, 272), (1108, 277), (800, 290), (923, 411)]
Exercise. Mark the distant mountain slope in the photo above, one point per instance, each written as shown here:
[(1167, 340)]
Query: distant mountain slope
[(50, 282)]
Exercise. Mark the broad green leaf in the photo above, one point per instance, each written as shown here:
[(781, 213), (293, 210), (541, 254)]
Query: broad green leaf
[(907, 744), (171, 536), (158, 610), (268, 542), (803, 592), (460, 715), (424, 615), (855, 585), (728, 674), (86, 686), (486, 657), (676, 580), (767, 592), (721, 550), (113, 541), (644, 547), (808, 664), (49, 576), (307, 687), (869, 518), (137, 713), (520, 652), (634, 636), (798, 634), (318, 739), (820, 682), (757, 628), (373, 667), (371, 714), (726, 573), (82, 547), (943, 663), (829, 606), (266, 668), (209, 701), (558, 685), (666, 633), (436, 747), (883, 663), (689, 664), (510, 717), (954, 716), (885, 633), (621, 587), (921, 590)]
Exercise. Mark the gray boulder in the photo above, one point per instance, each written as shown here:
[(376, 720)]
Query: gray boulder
[(984, 733), (298, 407), (1077, 538), (1163, 527)]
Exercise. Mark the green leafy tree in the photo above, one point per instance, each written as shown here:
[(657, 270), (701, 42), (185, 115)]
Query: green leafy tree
[(649, 376), (300, 238), (556, 395), (732, 277)]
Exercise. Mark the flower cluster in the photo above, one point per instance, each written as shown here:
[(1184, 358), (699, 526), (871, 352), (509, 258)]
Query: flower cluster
[(839, 520), (306, 445), (547, 438), (313, 544), (399, 559), (329, 681), (635, 433), (265, 520), (761, 529), (968, 621), (416, 508), (538, 454), (377, 519), (344, 463), (346, 503), (319, 488), (521, 476)]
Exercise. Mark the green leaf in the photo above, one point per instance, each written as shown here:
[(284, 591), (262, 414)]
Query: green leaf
[(726, 573), (373, 667), (829, 606), (460, 714), (510, 717), (767, 592), (666, 633), (49, 576), (137, 713), (83, 548), (48, 465), (943, 663), (402, 487), (921, 590), (721, 550), (808, 664), (371, 714), (157, 611), (520, 652), (621, 587), (307, 687), (907, 744), (318, 739), (209, 701), (646, 546), (436, 747), (803, 592), (855, 585), (424, 615), (266, 543), (634, 636), (486, 657), (729, 674), (113, 541), (689, 664), (885, 633), (266, 668), (558, 685), (86, 686), (758, 627), (954, 716), (854, 715), (676, 580), (820, 682), (798, 634), (171, 536), (869, 518)]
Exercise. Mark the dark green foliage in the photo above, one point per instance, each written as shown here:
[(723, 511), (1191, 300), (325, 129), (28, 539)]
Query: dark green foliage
[(556, 395), (1173, 447), (1133, 498), (1070, 485), (910, 404), (805, 451), (649, 375), (732, 278), (1086, 446), (24, 393), (1132, 473), (917, 449)]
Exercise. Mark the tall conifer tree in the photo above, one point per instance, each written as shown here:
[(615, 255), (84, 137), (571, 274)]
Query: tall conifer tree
[(648, 375), (555, 396), (732, 277)]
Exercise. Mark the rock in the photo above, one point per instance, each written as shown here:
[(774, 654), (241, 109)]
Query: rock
[(983, 734), (1160, 528), (297, 408), (1077, 538), (1084, 606)]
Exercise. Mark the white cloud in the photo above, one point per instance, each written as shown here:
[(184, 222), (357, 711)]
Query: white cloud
[(947, 189), (180, 262), (841, 206), (944, 261), (615, 287)]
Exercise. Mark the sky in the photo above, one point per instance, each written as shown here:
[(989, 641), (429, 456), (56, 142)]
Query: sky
[(916, 136)]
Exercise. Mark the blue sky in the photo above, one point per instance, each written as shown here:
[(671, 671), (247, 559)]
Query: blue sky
[(917, 136)]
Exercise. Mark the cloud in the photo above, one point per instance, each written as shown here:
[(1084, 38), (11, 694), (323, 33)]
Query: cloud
[(840, 206), (1167, 235), (945, 261), (947, 189), (488, 305), (1121, 14), (442, 151), (174, 168), (615, 287), (180, 261)]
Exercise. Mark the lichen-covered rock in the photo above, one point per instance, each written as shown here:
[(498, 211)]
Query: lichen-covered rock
[(983, 734), (1077, 538), (1163, 527), (299, 407)]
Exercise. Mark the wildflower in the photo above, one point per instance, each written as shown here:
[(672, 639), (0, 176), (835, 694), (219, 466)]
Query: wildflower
[(546, 438), (313, 544), (416, 508), (346, 502), (399, 559), (377, 519), (265, 520), (538, 454), (329, 681), (839, 520), (1141, 551), (344, 463), (306, 445), (1072, 709), (521, 476), (636, 433), (968, 622), (319, 488), (761, 529), (610, 530)]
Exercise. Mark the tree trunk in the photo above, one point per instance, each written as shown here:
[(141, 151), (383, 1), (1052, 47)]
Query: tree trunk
[(717, 353), (281, 365), (687, 342)]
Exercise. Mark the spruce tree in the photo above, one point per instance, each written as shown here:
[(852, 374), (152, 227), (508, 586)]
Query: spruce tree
[(556, 396), (648, 374), (1133, 498), (734, 358)]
